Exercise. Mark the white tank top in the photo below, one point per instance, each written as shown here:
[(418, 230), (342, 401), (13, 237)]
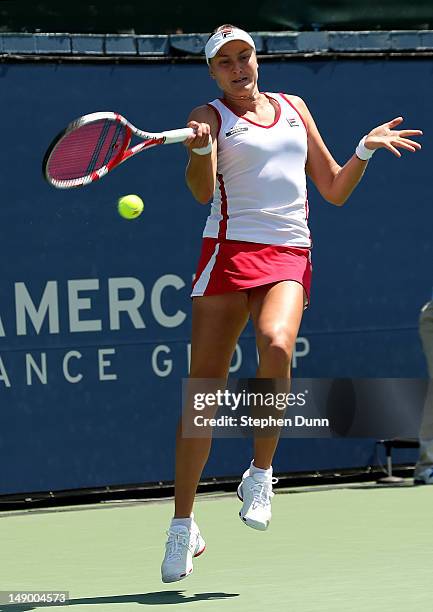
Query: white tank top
[(261, 193)]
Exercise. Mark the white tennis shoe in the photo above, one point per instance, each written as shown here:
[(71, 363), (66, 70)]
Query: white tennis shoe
[(182, 545), (255, 491)]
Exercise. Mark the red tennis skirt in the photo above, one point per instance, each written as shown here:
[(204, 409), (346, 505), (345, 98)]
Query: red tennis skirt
[(235, 265)]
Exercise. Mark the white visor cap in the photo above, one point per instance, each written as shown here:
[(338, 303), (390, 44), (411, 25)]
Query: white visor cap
[(219, 39)]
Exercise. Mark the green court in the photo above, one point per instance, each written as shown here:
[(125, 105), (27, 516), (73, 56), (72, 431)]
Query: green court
[(345, 548)]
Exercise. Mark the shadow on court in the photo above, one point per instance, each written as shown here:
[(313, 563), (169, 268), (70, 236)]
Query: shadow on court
[(157, 598)]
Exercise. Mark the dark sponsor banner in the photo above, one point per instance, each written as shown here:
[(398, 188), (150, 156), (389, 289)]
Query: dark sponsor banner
[(95, 314), (307, 408)]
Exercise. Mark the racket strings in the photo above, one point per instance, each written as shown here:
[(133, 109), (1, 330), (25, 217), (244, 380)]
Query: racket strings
[(86, 149), (119, 133), (101, 140)]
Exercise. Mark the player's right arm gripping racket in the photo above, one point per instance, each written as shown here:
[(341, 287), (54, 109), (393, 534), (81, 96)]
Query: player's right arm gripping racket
[(94, 144)]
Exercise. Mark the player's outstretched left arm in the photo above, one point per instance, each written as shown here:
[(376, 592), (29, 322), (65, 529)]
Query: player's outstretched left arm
[(335, 182)]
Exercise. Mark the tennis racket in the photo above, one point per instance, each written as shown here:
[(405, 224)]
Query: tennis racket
[(89, 147)]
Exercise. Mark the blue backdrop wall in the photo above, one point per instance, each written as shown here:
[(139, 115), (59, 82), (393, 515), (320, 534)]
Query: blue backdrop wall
[(95, 310)]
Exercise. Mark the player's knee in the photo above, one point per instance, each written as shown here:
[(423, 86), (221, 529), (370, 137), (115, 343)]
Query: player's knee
[(276, 344)]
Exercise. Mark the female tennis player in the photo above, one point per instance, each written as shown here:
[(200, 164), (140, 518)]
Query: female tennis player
[(251, 152)]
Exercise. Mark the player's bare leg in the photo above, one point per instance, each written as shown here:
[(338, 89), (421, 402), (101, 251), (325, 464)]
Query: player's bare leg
[(276, 311), (217, 322)]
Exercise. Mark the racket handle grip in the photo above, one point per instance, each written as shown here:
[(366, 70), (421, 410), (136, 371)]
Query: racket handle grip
[(172, 136)]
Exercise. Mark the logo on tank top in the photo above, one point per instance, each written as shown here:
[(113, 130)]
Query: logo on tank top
[(237, 130), (293, 122)]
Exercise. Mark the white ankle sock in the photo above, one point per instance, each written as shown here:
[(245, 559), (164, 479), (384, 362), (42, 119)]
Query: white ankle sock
[(186, 522), (256, 470)]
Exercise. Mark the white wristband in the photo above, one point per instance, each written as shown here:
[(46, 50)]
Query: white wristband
[(362, 151), (204, 150)]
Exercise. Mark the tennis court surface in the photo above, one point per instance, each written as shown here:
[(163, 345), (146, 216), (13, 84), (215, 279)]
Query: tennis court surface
[(343, 548)]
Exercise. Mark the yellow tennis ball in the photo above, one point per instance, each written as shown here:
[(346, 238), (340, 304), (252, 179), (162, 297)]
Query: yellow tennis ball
[(130, 206)]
